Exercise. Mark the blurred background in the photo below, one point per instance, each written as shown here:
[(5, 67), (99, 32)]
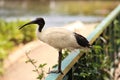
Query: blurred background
[(14, 13), (56, 12)]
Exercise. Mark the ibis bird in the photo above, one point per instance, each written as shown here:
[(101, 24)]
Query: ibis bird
[(59, 38)]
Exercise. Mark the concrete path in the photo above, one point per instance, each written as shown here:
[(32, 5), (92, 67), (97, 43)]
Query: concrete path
[(22, 71)]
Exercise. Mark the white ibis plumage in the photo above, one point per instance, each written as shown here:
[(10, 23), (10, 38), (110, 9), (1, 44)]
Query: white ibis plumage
[(59, 38)]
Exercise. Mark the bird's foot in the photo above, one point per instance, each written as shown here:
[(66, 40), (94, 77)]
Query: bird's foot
[(55, 71)]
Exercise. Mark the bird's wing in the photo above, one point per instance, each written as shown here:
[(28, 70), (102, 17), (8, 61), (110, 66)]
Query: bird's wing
[(81, 40)]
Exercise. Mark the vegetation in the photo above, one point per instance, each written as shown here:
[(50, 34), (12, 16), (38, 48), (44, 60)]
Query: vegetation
[(10, 37), (103, 60), (91, 66), (38, 69)]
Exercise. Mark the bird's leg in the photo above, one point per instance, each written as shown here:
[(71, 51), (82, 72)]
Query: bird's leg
[(59, 64)]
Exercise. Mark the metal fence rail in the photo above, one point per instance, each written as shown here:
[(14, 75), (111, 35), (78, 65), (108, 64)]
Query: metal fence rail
[(106, 27)]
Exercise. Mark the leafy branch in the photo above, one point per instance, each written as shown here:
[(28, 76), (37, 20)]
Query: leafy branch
[(38, 69)]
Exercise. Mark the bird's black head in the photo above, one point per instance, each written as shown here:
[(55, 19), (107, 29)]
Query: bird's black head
[(39, 21)]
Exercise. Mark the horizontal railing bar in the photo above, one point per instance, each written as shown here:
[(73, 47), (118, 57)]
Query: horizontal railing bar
[(103, 25)]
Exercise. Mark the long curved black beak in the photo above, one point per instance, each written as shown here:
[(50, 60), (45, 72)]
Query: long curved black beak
[(39, 21), (32, 22)]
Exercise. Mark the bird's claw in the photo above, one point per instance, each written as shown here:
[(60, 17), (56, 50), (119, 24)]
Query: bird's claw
[(55, 71)]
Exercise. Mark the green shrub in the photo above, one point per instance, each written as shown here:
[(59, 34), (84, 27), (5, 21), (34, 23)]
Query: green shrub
[(10, 36)]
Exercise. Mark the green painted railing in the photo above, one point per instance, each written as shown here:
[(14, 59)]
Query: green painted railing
[(106, 27)]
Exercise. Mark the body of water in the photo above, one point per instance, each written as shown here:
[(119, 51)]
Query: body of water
[(56, 13)]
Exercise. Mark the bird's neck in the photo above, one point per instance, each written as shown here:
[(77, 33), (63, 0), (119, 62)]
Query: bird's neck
[(40, 27)]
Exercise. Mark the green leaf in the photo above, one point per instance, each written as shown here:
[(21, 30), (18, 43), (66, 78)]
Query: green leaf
[(27, 61), (42, 65), (54, 65), (40, 76), (34, 70)]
